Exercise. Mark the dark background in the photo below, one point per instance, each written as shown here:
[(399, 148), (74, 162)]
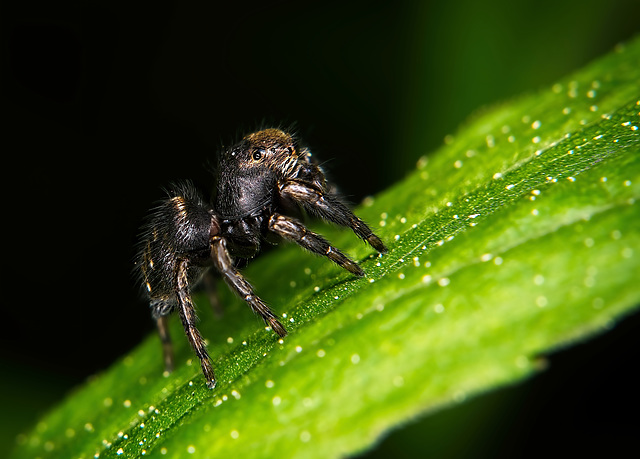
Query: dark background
[(105, 105)]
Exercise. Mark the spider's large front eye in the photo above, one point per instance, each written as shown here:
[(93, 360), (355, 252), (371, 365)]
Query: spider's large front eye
[(257, 155)]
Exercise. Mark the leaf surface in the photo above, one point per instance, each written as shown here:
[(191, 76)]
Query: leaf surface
[(519, 235)]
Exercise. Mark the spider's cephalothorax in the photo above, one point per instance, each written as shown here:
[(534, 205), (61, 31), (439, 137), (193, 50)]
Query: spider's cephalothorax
[(258, 179)]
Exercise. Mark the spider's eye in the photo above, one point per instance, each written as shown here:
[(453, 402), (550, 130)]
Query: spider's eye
[(257, 155)]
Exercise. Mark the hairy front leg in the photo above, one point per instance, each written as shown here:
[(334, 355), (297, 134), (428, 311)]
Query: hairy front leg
[(295, 231), (329, 207)]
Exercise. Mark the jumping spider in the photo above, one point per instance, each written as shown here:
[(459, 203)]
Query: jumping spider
[(258, 179)]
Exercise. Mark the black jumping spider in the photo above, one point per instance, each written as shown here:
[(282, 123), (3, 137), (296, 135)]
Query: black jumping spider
[(257, 180)]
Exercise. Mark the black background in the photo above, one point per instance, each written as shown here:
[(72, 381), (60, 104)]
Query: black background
[(107, 104)]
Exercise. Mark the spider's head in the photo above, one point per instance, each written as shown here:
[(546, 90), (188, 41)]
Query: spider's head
[(250, 171), (273, 150)]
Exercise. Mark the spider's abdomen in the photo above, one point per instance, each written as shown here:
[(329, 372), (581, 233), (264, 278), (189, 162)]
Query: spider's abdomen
[(180, 227)]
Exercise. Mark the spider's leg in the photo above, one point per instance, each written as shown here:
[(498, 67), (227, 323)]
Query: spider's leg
[(235, 280), (329, 207), (295, 231), (165, 339), (188, 318)]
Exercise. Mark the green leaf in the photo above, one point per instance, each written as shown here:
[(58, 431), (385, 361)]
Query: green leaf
[(519, 235)]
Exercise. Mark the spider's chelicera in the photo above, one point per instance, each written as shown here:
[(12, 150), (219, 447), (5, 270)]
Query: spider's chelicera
[(258, 180)]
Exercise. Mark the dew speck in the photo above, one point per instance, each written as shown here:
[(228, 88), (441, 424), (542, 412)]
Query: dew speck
[(497, 176), (127, 403), (276, 400), (589, 242), (355, 359), (597, 303), (401, 276), (538, 279), (321, 353), (426, 279), (459, 396), (522, 361), (497, 261), (438, 308), (589, 281), (542, 301), (536, 124), (305, 436), (191, 449), (443, 281), (234, 434)]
